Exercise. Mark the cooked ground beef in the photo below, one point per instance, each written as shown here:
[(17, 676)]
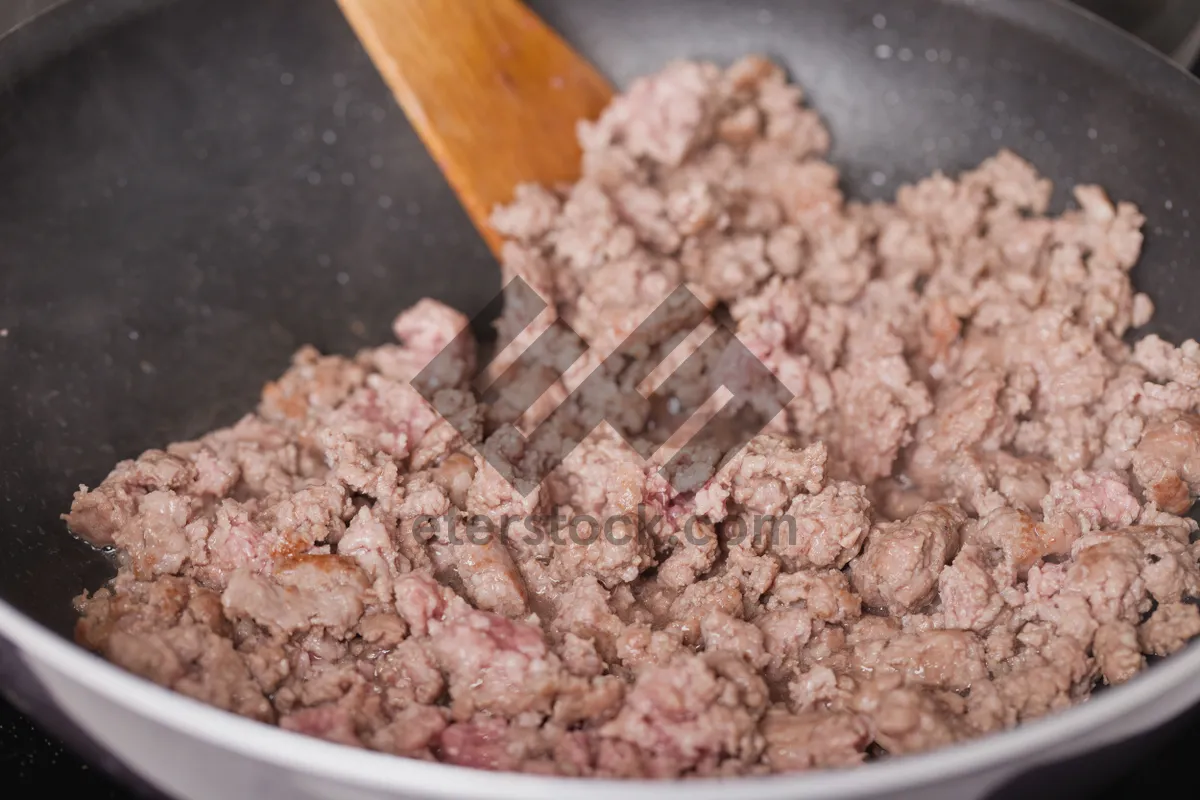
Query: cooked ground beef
[(987, 483)]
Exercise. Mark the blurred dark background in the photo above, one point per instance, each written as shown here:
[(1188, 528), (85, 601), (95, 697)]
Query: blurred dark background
[(33, 764), (1169, 26)]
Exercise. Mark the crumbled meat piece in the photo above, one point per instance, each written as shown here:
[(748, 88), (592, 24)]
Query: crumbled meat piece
[(1117, 651), (585, 611), (308, 591), (489, 743), (763, 477), (947, 659), (967, 503), (421, 600), (408, 674), (384, 630), (723, 632), (661, 116), (530, 216), (1170, 627), (879, 402), (901, 563), (692, 713), (969, 597), (169, 632), (1167, 462), (330, 722), (483, 566), (908, 719), (315, 383), (369, 542), (495, 665), (580, 656), (101, 515), (826, 594), (1107, 574), (434, 346), (1090, 501), (815, 739), (596, 700), (785, 633), (1044, 675), (412, 732), (829, 527), (639, 646)]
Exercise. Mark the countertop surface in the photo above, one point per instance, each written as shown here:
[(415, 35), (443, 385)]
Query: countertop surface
[(31, 762)]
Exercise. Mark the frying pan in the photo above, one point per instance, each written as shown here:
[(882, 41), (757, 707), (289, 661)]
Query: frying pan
[(192, 190)]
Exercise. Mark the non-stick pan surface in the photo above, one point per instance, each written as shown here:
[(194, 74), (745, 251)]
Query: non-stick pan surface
[(187, 198)]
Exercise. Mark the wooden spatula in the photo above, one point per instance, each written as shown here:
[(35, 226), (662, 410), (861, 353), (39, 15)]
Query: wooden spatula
[(493, 92)]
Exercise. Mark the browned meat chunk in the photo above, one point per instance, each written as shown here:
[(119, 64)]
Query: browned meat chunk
[(1167, 462), (899, 567)]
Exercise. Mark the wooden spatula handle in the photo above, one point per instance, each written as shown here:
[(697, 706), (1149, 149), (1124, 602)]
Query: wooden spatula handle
[(492, 91)]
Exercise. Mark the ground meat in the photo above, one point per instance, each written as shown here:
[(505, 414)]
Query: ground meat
[(411, 733), (814, 739), (1167, 461), (909, 719), (305, 592), (1118, 653), (102, 515), (899, 567), (948, 659), (1169, 628), (330, 722), (964, 508), (1044, 671), (826, 594), (720, 631), (171, 631), (693, 714), (494, 665)]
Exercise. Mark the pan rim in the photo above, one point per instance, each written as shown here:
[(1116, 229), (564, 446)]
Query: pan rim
[(352, 766), (1102, 42), (1069, 25)]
